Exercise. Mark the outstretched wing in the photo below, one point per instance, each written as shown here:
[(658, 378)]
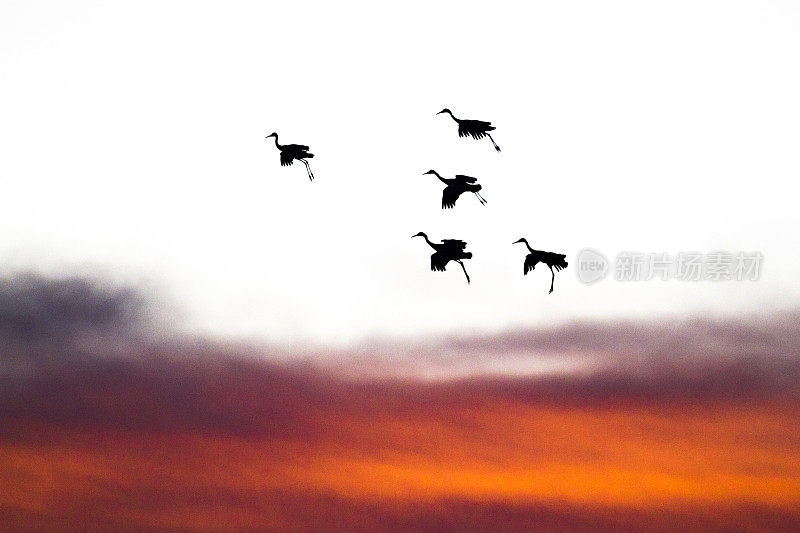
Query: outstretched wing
[(286, 158), (466, 131), (290, 152), (477, 129), (453, 246), (557, 261), (530, 263), (465, 179), (439, 260), (298, 147), (449, 196), (481, 124)]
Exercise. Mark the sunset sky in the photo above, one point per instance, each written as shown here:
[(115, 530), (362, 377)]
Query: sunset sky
[(193, 337), (684, 425)]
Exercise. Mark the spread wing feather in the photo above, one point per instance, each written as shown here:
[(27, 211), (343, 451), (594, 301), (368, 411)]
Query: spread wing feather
[(464, 132), (291, 152), (286, 159), (439, 261), (474, 128), (556, 260), (466, 179), (449, 197), (530, 263)]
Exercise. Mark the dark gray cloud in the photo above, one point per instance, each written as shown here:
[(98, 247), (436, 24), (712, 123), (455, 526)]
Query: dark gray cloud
[(33, 307), (44, 317)]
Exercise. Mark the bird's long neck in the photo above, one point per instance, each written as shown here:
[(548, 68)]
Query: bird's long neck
[(529, 246), (440, 178), (278, 146), (429, 242), (452, 116)]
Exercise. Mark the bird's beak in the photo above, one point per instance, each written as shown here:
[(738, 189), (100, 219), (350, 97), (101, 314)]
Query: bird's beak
[(515, 242)]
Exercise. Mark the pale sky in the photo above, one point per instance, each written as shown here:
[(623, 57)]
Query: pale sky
[(133, 146)]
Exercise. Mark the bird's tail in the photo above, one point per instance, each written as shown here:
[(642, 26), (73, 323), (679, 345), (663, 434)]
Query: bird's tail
[(561, 264), (467, 255)]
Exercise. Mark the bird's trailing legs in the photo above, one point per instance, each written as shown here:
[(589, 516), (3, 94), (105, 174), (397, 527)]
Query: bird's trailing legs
[(494, 143), (481, 199), (552, 279), (464, 269), (308, 169)]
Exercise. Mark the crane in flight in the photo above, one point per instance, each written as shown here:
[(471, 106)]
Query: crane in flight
[(456, 187), (446, 251), (292, 152), (550, 259), (477, 129)]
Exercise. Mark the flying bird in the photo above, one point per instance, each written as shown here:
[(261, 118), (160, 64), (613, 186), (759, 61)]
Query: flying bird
[(550, 259), (446, 251), (455, 187), (477, 129), (292, 152)]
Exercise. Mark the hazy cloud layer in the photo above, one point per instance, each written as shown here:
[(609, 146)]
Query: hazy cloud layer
[(58, 338), (64, 314)]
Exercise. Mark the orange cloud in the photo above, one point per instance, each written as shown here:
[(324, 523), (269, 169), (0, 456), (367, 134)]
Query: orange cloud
[(399, 452)]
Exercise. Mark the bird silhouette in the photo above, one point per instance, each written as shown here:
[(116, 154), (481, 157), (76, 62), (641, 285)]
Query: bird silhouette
[(550, 259), (446, 251), (455, 187), (292, 152), (477, 129)]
